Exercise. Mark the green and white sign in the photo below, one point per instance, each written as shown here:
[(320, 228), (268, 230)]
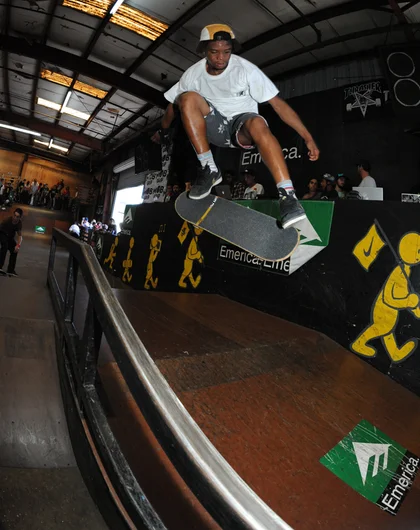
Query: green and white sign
[(374, 465), (314, 237), (40, 229)]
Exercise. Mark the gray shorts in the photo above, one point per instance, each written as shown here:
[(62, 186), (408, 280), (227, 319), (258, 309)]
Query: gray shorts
[(223, 132)]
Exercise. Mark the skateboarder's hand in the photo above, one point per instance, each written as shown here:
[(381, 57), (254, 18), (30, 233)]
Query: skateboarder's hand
[(156, 137), (313, 151), (17, 247)]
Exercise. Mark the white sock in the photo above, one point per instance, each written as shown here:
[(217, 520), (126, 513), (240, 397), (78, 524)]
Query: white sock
[(206, 159), (287, 185)]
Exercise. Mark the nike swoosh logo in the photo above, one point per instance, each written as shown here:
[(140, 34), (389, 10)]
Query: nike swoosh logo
[(369, 250)]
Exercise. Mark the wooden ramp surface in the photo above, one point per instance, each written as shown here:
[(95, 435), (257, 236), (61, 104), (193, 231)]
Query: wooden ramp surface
[(274, 398)]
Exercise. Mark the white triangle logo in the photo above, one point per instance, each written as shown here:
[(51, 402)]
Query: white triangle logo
[(307, 231), (128, 218), (364, 453)]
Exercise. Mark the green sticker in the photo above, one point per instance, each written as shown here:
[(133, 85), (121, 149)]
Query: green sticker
[(373, 464), (40, 229)]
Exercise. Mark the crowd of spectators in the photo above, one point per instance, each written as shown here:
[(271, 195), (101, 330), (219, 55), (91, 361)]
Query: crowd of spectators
[(85, 230), (34, 193), (327, 187)]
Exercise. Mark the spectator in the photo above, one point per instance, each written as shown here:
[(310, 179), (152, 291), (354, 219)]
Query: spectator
[(341, 186), (363, 170), (8, 229), (330, 192), (253, 188), (74, 230), (168, 193), (313, 193), (176, 192), (237, 187), (112, 226)]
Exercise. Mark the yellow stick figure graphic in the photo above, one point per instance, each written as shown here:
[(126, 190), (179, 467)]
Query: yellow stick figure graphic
[(395, 295), (128, 263), (155, 247), (193, 254), (112, 254)]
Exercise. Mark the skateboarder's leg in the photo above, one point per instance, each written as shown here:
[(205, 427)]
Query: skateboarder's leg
[(12, 258), (3, 249), (200, 119), (255, 131)]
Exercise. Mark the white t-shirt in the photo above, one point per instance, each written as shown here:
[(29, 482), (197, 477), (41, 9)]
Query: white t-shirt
[(75, 228), (238, 89), (368, 182), (253, 191)]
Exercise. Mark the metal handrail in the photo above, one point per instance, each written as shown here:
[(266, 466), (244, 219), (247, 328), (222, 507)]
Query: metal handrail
[(225, 495)]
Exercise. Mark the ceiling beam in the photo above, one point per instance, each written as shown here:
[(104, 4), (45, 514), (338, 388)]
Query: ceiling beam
[(44, 39), (178, 24), (76, 63), (410, 5), (50, 129), (315, 17), (41, 153), (335, 40), (183, 19), (402, 20), (319, 65), (129, 121), (6, 25)]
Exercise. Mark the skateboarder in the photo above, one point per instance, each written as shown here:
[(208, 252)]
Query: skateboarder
[(218, 100), (8, 228)]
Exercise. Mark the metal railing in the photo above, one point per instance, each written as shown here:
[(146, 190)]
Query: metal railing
[(230, 501)]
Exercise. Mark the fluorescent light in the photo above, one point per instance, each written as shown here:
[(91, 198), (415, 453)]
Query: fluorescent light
[(62, 108), (66, 101), (48, 104), (59, 148), (116, 6), (50, 145), (13, 128), (76, 113)]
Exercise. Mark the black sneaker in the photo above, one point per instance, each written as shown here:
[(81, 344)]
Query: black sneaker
[(291, 211), (2, 272), (13, 273), (204, 183)]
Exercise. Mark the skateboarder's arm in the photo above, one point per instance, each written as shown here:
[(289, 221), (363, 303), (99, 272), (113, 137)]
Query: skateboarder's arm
[(19, 241), (289, 116), (167, 119), (168, 116)]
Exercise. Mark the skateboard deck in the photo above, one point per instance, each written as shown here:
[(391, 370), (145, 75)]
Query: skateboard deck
[(247, 229)]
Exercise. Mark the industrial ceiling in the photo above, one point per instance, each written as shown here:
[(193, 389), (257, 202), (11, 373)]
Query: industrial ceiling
[(86, 76)]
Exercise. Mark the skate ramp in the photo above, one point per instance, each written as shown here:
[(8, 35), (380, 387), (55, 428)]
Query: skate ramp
[(273, 398)]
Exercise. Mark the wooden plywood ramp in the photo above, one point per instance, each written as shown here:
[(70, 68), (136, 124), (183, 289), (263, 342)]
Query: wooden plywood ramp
[(275, 398)]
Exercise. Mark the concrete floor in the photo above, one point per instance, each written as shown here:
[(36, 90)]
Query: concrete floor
[(40, 485)]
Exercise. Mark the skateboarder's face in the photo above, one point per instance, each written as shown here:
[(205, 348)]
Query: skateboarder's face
[(218, 54), (16, 218)]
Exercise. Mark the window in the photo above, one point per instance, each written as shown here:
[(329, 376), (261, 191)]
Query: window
[(124, 197)]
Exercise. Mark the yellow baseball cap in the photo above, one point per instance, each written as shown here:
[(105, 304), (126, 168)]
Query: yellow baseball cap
[(217, 32)]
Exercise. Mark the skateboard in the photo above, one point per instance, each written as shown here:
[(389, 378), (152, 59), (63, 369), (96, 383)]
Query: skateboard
[(252, 231)]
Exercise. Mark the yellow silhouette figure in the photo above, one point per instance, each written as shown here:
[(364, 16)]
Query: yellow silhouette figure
[(128, 263), (155, 247), (112, 254), (394, 296), (193, 254)]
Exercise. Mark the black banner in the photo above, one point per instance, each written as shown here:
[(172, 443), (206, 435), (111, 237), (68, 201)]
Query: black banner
[(402, 69)]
